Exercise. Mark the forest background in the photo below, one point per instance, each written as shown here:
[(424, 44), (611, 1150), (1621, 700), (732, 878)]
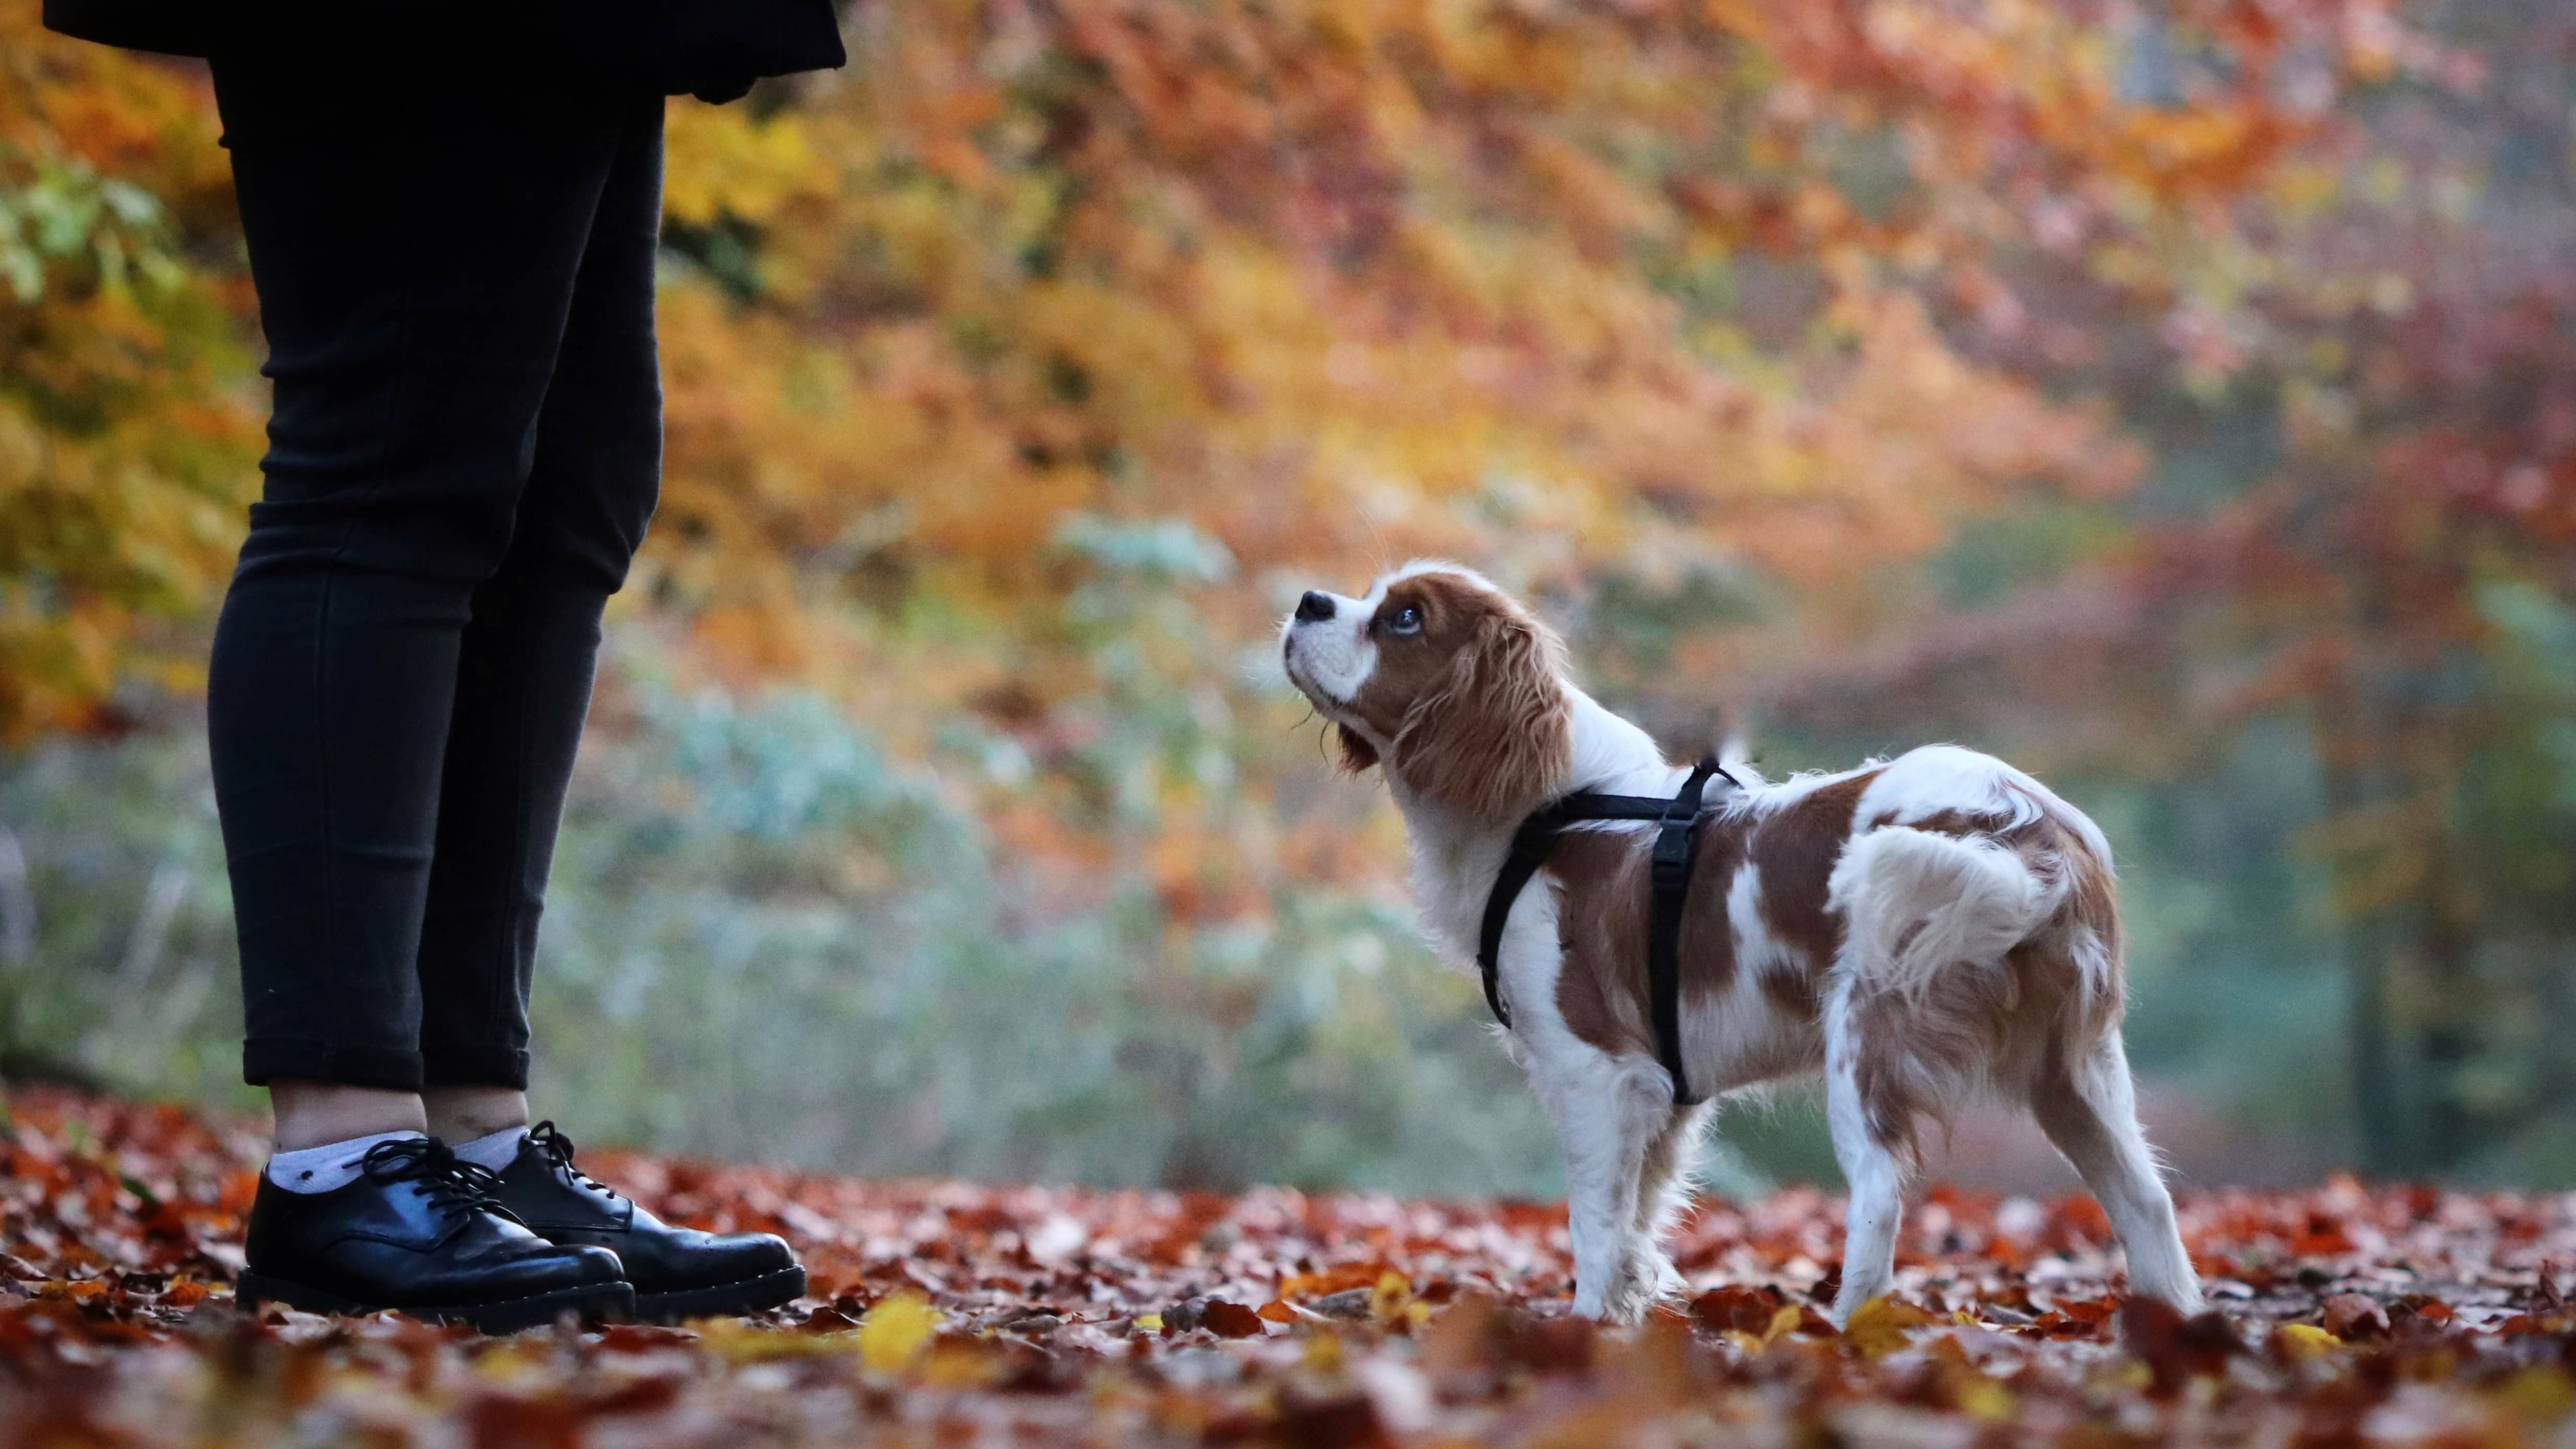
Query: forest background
[(2178, 398)]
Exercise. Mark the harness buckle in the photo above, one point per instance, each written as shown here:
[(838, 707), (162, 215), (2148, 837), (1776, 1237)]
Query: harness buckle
[(1672, 856)]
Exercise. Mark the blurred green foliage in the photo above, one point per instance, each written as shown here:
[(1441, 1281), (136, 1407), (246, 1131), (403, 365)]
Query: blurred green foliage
[(763, 930), (764, 938)]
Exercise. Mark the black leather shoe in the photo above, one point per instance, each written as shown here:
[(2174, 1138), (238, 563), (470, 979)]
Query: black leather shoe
[(677, 1272), (419, 1233)]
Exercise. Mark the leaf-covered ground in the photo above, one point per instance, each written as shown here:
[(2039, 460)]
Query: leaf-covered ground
[(951, 1314)]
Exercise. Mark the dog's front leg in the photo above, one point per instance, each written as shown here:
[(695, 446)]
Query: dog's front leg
[(1608, 1115)]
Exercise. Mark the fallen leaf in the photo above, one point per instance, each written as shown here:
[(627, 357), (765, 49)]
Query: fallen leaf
[(895, 1332), (926, 1308), (1742, 1310), (2304, 1341), (1882, 1325), (2350, 1316), (1229, 1320), (1390, 1296), (2176, 1349)]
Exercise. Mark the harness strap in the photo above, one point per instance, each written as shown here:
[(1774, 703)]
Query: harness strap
[(1676, 852), (1532, 844)]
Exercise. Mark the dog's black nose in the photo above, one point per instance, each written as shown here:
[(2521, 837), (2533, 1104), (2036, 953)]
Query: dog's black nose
[(1314, 607)]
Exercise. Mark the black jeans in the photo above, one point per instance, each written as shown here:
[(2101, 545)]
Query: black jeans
[(455, 275)]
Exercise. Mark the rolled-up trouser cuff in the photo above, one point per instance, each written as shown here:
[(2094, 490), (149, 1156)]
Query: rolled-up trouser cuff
[(454, 1066), (338, 1063)]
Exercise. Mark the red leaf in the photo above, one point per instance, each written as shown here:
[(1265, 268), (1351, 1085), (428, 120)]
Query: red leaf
[(1229, 1320), (2547, 1298), (2176, 1348), (1741, 1310)]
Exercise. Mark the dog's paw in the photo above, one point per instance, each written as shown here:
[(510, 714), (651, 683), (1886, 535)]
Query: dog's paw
[(2184, 1298), (1644, 1277)]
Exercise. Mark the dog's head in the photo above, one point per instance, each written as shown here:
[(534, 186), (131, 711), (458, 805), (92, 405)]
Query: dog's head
[(1440, 675)]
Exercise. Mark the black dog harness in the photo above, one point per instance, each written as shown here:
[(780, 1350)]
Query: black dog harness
[(1676, 851)]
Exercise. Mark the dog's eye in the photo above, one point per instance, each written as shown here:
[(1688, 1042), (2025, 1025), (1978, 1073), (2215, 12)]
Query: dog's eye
[(1406, 620)]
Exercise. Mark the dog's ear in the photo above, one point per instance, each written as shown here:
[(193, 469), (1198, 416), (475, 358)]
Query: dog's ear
[(1496, 735), (1357, 753)]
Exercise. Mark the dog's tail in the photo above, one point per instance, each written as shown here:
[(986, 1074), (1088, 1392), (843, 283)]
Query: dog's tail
[(2022, 868), (1918, 903), (1977, 948)]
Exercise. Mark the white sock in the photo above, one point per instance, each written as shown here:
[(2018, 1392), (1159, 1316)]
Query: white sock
[(329, 1166), (495, 1151)]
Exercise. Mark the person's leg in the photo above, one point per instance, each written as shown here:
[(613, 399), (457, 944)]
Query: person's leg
[(315, 1114), (523, 690), (414, 250), (525, 670), (468, 1116), (414, 254)]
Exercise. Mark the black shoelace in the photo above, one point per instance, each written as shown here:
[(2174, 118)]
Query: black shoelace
[(444, 1177), (558, 1150)]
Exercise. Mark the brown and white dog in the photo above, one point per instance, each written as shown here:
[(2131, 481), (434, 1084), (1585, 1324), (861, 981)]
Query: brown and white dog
[(1921, 930)]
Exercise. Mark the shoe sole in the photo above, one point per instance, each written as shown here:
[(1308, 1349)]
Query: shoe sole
[(769, 1290), (590, 1302)]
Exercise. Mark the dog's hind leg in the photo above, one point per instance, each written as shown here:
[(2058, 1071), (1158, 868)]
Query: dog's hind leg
[(2088, 1108), (1872, 1167), (1665, 1183)]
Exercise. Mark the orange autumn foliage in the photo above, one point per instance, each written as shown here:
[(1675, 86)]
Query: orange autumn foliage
[(1539, 285), (128, 416)]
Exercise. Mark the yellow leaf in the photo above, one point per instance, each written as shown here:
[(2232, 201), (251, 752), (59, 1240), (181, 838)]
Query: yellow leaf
[(737, 1341), (1879, 1327), (2306, 1340), (1784, 1321), (2539, 1392), (896, 1330), (1388, 1298), (1150, 1322), (1982, 1398), (961, 1366)]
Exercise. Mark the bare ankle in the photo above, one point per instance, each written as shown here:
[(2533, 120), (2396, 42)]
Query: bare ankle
[(310, 1114), (461, 1114)]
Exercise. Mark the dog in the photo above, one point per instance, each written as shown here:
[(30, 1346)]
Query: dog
[(1921, 931)]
